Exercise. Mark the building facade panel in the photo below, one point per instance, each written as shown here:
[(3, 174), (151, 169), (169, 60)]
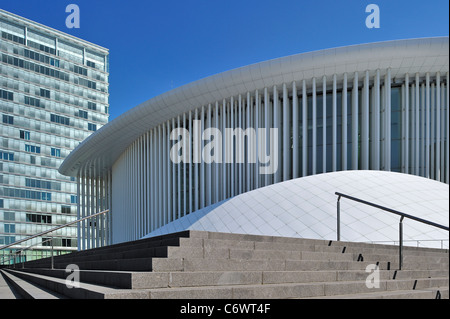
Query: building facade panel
[(53, 94)]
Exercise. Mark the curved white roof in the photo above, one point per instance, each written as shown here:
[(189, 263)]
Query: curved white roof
[(105, 146), (306, 208)]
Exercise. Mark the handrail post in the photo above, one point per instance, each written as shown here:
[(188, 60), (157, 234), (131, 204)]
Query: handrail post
[(52, 262), (339, 218), (400, 252)]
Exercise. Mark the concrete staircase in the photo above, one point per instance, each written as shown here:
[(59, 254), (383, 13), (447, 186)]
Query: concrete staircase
[(206, 265)]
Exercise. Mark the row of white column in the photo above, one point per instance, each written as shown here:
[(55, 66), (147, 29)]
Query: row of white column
[(94, 196), (149, 190)]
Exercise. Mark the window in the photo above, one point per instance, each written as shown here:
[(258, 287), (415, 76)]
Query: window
[(9, 216), (36, 218), (32, 101), (65, 210), (10, 228), (1, 203), (66, 242), (36, 183), (32, 149), (73, 199), (41, 47), (25, 135), (82, 114), (56, 152), (80, 70), (90, 64), (45, 93), (92, 127), (88, 84), (6, 95), (59, 119), (6, 240), (7, 119), (28, 194), (6, 156), (35, 68), (92, 106), (40, 57), (13, 38)]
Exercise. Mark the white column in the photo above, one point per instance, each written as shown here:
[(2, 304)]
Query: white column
[(179, 200), (314, 127), (277, 177), (324, 124), (231, 149), (286, 137), (197, 157), (422, 129), (355, 118), (256, 146), (191, 204), (365, 124), (294, 131), (427, 126), (444, 137), (432, 130), (79, 210), (241, 165), (334, 126), (209, 166), (376, 115), (447, 134), (202, 162), (217, 165), (164, 174), (388, 123), (438, 126), (266, 126), (417, 127), (170, 176), (344, 124), (305, 130), (406, 124), (248, 165)]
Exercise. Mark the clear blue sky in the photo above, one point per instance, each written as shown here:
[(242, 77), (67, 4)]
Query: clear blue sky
[(159, 45)]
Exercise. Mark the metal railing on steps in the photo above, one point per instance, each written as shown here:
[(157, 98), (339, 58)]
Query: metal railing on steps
[(386, 209), (51, 238)]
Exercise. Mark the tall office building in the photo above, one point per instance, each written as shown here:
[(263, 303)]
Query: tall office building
[(53, 94)]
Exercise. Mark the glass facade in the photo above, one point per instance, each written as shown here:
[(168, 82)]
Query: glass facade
[(53, 94)]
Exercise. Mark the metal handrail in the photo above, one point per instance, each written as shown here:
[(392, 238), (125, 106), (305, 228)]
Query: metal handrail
[(52, 230), (390, 210), (21, 251)]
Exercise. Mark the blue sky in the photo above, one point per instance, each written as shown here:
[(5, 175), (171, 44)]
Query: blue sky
[(159, 45)]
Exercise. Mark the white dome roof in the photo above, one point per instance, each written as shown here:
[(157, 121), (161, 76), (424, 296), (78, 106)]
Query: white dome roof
[(306, 208)]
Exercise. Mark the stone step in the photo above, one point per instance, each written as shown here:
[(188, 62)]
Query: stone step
[(279, 291), (431, 293), (140, 280), (6, 290), (84, 291), (28, 290), (205, 245), (241, 291), (217, 265)]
